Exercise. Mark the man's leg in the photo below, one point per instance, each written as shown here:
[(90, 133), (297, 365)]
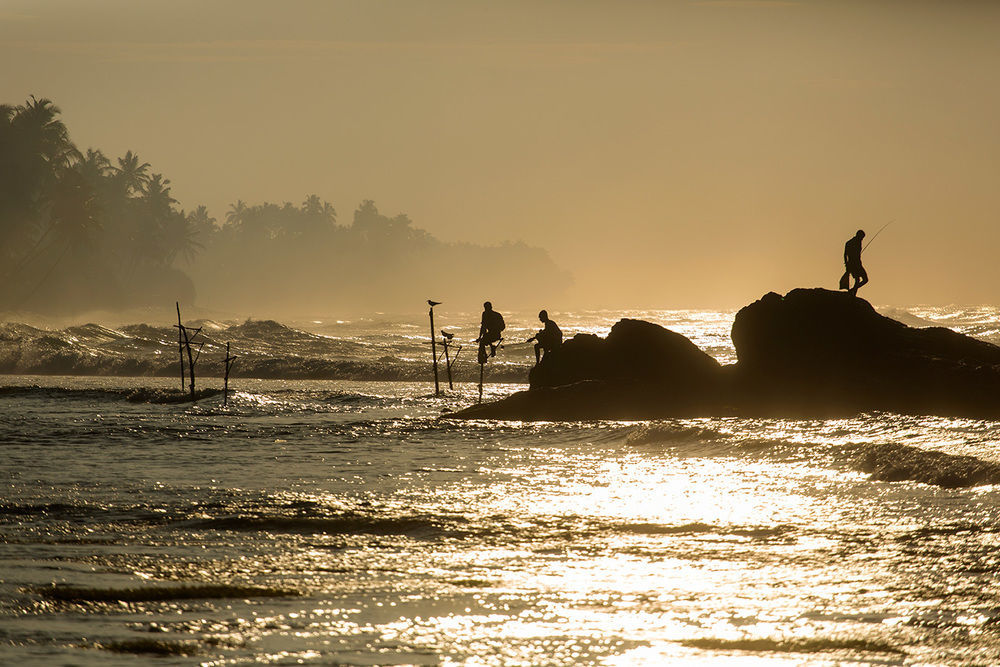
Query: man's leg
[(863, 279), (860, 279), (493, 341), (538, 353)]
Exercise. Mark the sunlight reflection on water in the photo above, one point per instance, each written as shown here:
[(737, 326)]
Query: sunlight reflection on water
[(409, 540)]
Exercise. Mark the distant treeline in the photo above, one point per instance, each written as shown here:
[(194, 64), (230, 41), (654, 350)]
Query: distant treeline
[(80, 231)]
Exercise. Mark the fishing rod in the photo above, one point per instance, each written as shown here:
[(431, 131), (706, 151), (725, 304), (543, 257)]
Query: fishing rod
[(876, 234)]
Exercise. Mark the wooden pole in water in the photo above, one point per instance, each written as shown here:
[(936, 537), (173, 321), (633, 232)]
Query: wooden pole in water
[(447, 361), (437, 386), (225, 386), (225, 381), (187, 345), (180, 341), (481, 367)]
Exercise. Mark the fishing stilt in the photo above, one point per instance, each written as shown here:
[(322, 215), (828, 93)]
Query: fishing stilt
[(184, 342), (225, 386), (187, 346), (437, 387), (180, 341), (445, 339), (481, 367)]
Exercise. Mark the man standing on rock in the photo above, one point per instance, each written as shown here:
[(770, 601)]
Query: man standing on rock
[(852, 264)]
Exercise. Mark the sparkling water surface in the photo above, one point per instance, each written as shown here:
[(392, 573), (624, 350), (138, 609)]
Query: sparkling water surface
[(343, 522)]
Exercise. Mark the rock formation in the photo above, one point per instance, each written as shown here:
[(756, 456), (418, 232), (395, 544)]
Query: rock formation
[(813, 352)]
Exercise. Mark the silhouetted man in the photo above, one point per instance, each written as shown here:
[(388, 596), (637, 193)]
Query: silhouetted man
[(490, 331), (548, 338), (852, 264)]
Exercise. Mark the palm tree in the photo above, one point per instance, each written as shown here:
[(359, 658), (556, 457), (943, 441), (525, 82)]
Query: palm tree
[(73, 216), (75, 209), (36, 155), (149, 222), (202, 221), (156, 194), (12, 191), (43, 134), (132, 175), (236, 215), (179, 238), (95, 167)]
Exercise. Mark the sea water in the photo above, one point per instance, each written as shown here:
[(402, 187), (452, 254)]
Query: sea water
[(342, 521)]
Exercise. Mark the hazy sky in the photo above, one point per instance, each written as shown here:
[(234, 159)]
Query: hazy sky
[(669, 154)]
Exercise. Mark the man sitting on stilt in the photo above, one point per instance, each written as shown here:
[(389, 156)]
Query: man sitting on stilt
[(490, 332)]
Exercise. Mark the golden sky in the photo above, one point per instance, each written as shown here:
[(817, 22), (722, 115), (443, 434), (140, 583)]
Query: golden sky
[(669, 154)]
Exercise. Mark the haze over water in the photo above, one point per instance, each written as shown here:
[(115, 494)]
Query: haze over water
[(300, 177), (390, 536)]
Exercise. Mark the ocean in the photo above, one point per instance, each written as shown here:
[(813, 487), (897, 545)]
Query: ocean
[(328, 515)]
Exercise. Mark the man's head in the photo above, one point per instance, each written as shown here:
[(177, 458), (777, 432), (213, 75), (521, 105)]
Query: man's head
[(860, 234), (487, 306), (543, 316)]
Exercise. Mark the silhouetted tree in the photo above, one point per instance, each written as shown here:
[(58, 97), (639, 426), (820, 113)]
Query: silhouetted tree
[(132, 176), (67, 217)]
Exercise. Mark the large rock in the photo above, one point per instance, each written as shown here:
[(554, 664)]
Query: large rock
[(819, 351), (634, 352), (641, 370)]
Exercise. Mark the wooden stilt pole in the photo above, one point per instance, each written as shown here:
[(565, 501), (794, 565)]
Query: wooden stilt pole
[(481, 367), (180, 341), (437, 386), (184, 343), (187, 346), (447, 361), (225, 386)]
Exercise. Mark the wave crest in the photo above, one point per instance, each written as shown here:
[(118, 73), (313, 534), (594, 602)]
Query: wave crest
[(899, 463)]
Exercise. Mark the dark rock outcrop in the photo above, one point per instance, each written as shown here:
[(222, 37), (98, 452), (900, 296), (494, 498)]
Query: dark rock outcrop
[(634, 352), (813, 352), (640, 369)]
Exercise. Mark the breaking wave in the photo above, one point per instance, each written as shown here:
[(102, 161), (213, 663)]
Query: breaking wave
[(266, 350), (897, 463), (61, 593), (134, 395), (417, 527), (810, 645), (704, 441), (884, 462)]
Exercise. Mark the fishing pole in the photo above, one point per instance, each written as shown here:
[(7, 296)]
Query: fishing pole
[(876, 234)]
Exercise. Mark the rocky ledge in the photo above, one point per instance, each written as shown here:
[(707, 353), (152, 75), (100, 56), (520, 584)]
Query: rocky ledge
[(810, 353)]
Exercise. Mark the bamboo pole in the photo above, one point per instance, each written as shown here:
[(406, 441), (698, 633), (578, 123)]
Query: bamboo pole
[(437, 386), (225, 386), (180, 341), (447, 361), (187, 346), (225, 381)]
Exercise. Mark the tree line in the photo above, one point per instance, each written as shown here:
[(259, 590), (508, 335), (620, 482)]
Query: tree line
[(82, 231)]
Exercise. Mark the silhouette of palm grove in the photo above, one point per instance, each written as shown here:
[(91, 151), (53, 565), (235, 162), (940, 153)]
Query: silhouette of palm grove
[(82, 231)]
